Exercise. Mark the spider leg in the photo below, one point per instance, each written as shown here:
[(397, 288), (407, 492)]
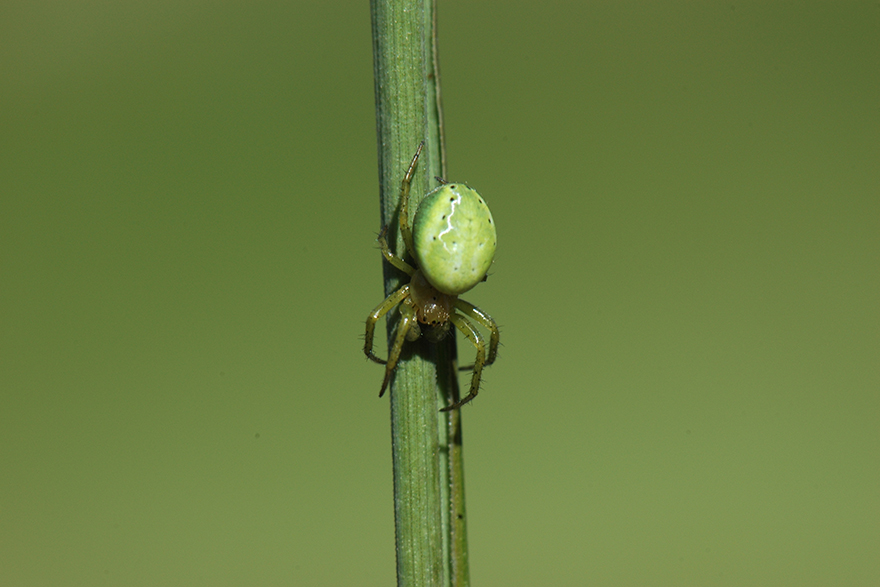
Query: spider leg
[(466, 328), (391, 257), (407, 318), (382, 309), (405, 228), (487, 323)]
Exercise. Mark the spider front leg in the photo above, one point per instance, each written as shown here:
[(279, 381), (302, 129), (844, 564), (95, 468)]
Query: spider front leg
[(487, 322), (382, 309), (391, 301), (466, 328), (406, 327)]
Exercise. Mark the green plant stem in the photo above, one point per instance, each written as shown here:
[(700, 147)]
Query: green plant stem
[(450, 425), (428, 474)]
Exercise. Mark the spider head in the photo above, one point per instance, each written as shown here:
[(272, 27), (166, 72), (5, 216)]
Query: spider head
[(432, 307)]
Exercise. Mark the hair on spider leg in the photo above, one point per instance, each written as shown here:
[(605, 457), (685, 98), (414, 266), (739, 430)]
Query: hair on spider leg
[(466, 399), (498, 345), (380, 235)]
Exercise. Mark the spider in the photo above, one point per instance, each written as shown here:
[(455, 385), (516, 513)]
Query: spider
[(452, 239)]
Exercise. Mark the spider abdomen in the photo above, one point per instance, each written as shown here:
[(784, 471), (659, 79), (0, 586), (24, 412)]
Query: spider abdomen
[(454, 238)]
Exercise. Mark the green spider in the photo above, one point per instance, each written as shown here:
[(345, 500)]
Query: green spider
[(452, 239)]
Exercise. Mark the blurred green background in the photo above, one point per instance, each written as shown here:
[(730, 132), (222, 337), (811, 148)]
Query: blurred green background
[(687, 283)]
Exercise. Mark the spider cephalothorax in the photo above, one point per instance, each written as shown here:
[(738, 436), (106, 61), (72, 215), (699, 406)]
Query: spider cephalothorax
[(452, 239)]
